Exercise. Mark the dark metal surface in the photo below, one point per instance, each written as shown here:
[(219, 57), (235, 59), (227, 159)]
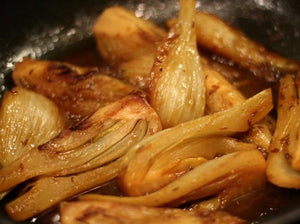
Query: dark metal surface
[(48, 28)]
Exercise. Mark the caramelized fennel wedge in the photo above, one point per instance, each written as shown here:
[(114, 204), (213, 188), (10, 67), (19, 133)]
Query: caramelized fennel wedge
[(111, 212), (78, 91), (221, 95), (282, 168), (122, 36), (177, 86), (38, 198), (237, 163), (48, 162), (27, 119), (218, 36), (234, 120), (138, 132), (132, 107), (170, 163), (34, 162)]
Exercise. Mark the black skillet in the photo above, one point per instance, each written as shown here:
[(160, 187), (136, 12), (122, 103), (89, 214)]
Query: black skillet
[(53, 29)]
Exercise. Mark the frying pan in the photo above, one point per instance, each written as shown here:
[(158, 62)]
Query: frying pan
[(50, 29)]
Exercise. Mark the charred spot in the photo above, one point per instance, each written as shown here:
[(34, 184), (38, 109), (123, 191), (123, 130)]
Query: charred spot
[(55, 66), (84, 76), (214, 88), (274, 150), (31, 71), (25, 142), (160, 69), (82, 125), (56, 71), (281, 96), (193, 24), (175, 188), (26, 189), (42, 146), (21, 167)]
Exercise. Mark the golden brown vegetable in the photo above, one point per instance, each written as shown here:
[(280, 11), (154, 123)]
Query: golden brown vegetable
[(79, 145), (234, 120), (78, 91), (177, 86), (220, 94), (170, 163), (217, 36), (242, 171), (48, 191), (282, 164), (27, 119), (121, 36), (92, 212)]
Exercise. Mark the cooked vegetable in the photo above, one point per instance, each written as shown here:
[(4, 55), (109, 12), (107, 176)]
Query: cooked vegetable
[(220, 94), (78, 91), (237, 119), (48, 191), (212, 150), (186, 155), (91, 139), (244, 170), (282, 164), (116, 26), (27, 119), (217, 36), (90, 212), (177, 86)]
